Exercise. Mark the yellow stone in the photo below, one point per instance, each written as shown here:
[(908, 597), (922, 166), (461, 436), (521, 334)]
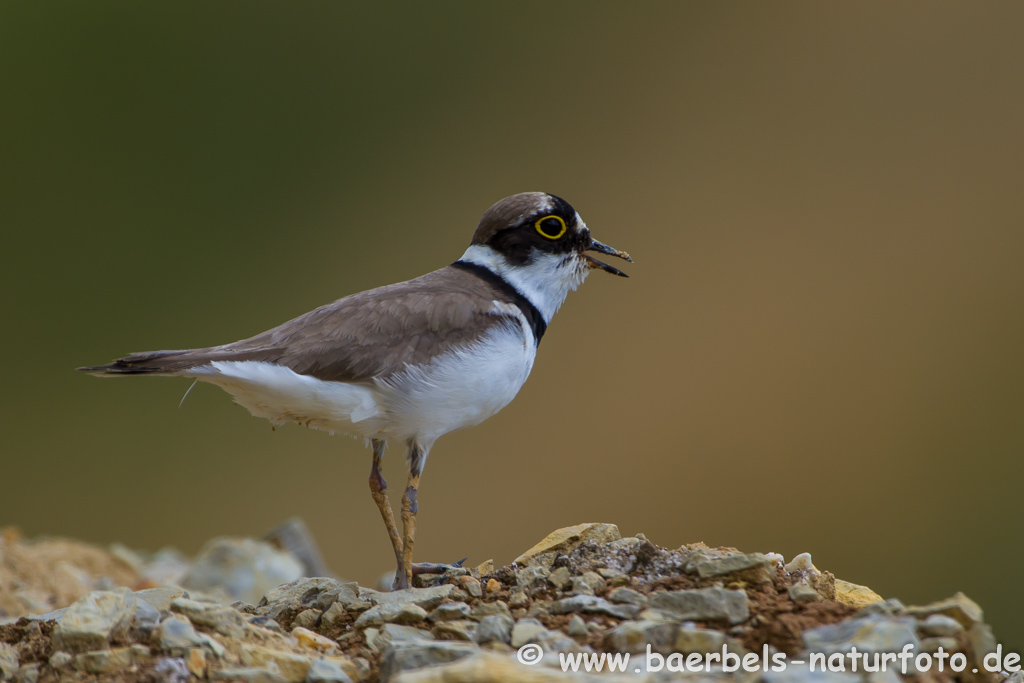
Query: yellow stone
[(566, 539), (196, 662), (313, 641), (292, 667), (855, 596)]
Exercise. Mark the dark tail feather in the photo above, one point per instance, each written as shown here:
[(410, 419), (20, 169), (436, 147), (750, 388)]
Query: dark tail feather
[(153, 363)]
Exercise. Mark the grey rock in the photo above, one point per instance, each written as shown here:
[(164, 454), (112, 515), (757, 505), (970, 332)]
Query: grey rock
[(635, 636), (594, 580), (161, 598), (495, 628), (578, 586), (450, 611), (248, 674), (959, 607), (243, 567), (307, 593), (221, 618), (690, 639), (147, 617), (593, 605), (801, 594), (981, 641), (8, 662), (94, 619), (577, 628), (939, 625), (889, 608), (334, 616), (933, 644), (518, 597), (103, 661), (405, 655), (555, 641), (346, 594), (868, 635), (176, 634), (326, 671), (486, 609), (560, 578), (29, 673), (702, 604), (627, 596), (171, 670), (801, 673), (460, 629), (426, 598), (629, 542), (524, 631), (531, 575), (397, 632), (267, 623), (754, 567), (60, 659), (391, 613), (307, 618)]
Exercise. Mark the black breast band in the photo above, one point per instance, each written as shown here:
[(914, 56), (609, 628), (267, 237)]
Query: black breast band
[(530, 311)]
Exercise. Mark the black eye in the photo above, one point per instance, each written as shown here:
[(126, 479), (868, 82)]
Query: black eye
[(551, 227)]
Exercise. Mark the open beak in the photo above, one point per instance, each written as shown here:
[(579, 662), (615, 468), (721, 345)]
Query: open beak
[(605, 249)]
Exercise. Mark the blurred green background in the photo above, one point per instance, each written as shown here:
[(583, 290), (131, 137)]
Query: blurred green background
[(819, 349)]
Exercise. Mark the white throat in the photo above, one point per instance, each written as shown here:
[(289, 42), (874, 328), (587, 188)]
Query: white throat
[(545, 282)]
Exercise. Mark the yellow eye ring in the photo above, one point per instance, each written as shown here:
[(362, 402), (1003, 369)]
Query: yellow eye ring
[(539, 225)]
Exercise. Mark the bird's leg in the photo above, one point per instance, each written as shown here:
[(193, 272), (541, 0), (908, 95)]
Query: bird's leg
[(379, 491), (403, 576)]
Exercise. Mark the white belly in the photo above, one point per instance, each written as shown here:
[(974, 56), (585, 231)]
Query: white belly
[(456, 390)]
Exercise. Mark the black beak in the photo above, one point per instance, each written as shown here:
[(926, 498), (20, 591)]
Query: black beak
[(605, 249)]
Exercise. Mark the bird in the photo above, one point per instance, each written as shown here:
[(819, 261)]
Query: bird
[(406, 363)]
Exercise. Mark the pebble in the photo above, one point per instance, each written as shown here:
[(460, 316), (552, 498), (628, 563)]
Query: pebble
[(635, 636), (221, 618), (391, 613), (494, 628), (627, 596), (405, 655), (702, 604), (939, 625), (176, 634), (449, 611), (855, 595), (751, 567), (801, 594), (959, 607), (486, 609), (333, 617), (580, 587), (869, 634), (58, 660), (327, 671), (518, 598), (471, 585), (566, 539), (103, 661), (29, 673), (800, 563), (427, 598), (933, 644), (493, 586), (147, 617), (530, 575), (248, 674), (291, 666), (593, 605), (95, 618), (244, 567), (9, 661), (161, 598), (577, 628), (560, 578), (701, 640), (313, 641), (461, 629), (524, 631), (307, 618)]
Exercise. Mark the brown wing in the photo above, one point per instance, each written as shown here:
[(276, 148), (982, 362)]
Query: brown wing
[(366, 335)]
